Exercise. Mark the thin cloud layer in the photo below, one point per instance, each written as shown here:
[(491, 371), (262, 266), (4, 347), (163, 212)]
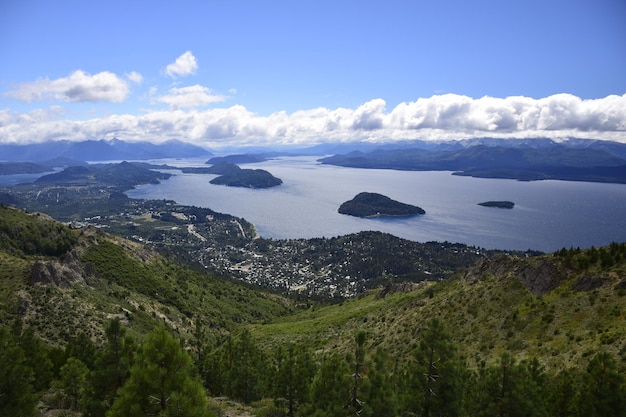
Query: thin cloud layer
[(191, 96), (184, 65), (79, 86), (439, 117), (135, 77)]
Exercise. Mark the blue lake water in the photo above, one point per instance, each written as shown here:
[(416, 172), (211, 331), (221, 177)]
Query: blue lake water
[(548, 215)]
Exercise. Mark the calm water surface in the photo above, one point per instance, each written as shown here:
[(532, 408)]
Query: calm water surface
[(548, 215)]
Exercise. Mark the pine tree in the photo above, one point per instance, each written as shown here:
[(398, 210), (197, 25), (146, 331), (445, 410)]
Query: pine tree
[(330, 389), (16, 390), (81, 347), (356, 403), (294, 372), (563, 393), (74, 381), (162, 382), (35, 355), (436, 373), (507, 390), (382, 399), (111, 369), (246, 374), (604, 391)]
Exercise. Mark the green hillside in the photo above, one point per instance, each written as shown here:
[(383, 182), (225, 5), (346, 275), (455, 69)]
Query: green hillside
[(90, 323), (490, 308), (62, 281)]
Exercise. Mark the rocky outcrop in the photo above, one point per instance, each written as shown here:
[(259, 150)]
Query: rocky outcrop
[(62, 273), (539, 275)]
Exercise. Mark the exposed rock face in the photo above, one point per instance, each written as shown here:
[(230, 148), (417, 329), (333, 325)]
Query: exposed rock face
[(62, 273), (538, 275), (587, 282)]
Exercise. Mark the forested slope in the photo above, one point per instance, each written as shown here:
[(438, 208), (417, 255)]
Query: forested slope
[(92, 324)]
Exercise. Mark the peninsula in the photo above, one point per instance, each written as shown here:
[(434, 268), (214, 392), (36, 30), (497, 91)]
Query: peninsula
[(377, 205)]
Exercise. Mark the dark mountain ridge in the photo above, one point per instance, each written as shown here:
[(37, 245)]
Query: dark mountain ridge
[(556, 161), (100, 150), (123, 175)]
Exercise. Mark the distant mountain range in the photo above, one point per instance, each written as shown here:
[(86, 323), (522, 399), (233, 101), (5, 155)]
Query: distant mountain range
[(536, 159), (524, 159), (100, 150)]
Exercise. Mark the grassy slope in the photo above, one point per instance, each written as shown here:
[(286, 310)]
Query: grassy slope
[(486, 312), (485, 315), (124, 280)]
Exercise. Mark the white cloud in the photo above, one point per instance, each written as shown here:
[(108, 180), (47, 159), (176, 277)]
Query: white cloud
[(135, 77), (511, 115), (77, 87), (191, 96), (369, 116), (184, 65), (439, 117)]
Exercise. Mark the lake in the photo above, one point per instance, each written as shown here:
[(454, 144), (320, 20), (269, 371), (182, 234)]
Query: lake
[(547, 216)]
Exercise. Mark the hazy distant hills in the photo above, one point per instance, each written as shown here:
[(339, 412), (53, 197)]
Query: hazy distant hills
[(123, 176), (523, 159), (575, 160), (100, 150)]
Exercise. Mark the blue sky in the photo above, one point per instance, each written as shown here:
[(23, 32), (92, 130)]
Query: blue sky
[(259, 72)]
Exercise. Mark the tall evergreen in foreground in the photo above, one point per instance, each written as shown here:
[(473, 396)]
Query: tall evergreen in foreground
[(162, 382), (293, 374), (435, 378), (16, 378)]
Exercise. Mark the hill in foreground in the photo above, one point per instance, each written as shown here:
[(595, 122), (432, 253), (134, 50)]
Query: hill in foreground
[(62, 281), (559, 306), (551, 325)]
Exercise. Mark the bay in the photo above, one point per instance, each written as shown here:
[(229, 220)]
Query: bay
[(547, 216)]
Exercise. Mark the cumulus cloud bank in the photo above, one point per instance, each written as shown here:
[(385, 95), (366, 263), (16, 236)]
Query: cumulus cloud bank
[(77, 87), (184, 65), (439, 117)]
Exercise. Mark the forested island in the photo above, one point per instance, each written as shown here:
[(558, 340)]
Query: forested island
[(498, 204), (234, 176), (377, 205)]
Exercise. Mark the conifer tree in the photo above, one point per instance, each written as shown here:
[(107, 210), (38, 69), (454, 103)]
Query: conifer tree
[(16, 390), (35, 355), (74, 382), (246, 374), (294, 372), (507, 390), (604, 390), (111, 369), (330, 389), (382, 398), (162, 382), (563, 393), (435, 375), (81, 347), (356, 403)]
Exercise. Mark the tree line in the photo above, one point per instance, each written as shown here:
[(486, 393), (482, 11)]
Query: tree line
[(164, 376)]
